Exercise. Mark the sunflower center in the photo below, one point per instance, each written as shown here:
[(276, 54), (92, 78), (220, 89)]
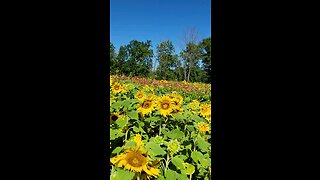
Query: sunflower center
[(136, 160), (116, 87), (146, 104)]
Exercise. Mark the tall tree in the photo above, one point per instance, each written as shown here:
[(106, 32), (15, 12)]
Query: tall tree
[(205, 46), (112, 58), (140, 55), (191, 53), (167, 60), (121, 60)]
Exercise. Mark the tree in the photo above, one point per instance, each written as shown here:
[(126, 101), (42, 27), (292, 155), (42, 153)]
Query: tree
[(121, 60), (139, 61), (205, 46), (191, 53), (167, 60), (112, 58)]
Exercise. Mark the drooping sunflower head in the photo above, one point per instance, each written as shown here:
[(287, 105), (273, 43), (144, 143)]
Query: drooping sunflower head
[(132, 160), (140, 95), (114, 117), (205, 110), (146, 106), (165, 105), (116, 88), (203, 127)]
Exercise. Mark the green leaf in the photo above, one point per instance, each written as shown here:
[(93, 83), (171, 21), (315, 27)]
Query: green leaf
[(135, 129), (117, 105), (160, 178), (189, 168), (175, 134), (178, 162), (182, 176), (203, 145), (130, 144), (154, 149), (170, 175), (121, 122), (122, 175), (190, 128), (117, 150), (115, 133), (133, 115), (204, 162), (196, 118), (196, 155), (179, 116), (183, 157)]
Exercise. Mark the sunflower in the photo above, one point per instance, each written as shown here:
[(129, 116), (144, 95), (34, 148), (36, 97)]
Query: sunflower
[(136, 160), (133, 160), (114, 117), (165, 105), (203, 127), (196, 103), (146, 106), (178, 100), (205, 110), (116, 88), (140, 95), (123, 88)]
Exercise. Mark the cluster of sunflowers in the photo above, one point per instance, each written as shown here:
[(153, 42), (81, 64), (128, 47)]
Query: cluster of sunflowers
[(158, 135)]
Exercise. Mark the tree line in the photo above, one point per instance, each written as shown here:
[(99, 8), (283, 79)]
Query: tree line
[(192, 64)]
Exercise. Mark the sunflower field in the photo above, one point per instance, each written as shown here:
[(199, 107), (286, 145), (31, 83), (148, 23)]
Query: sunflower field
[(159, 130)]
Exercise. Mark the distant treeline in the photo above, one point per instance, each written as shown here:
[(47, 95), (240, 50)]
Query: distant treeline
[(193, 64)]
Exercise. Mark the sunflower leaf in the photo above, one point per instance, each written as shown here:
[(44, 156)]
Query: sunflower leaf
[(189, 168), (122, 175), (170, 174), (154, 149), (203, 145), (178, 162), (175, 134), (115, 133), (133, 115)]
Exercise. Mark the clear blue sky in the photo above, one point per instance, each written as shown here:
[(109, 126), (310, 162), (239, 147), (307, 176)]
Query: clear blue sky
[(158, 20)]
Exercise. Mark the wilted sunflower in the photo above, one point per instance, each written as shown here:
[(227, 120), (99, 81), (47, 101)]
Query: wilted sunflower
[(205, 110), (116, 88), (114, 117), (146, 106), (203, 127), (165, 105), (140, 95)]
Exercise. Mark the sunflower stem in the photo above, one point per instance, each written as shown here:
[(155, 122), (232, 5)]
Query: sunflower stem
[(127, 134)]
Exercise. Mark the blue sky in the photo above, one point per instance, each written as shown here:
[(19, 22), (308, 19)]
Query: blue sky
[(158, 20)]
